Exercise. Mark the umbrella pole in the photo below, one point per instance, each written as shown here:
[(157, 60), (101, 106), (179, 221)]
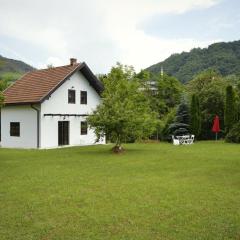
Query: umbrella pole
[(216, 136)]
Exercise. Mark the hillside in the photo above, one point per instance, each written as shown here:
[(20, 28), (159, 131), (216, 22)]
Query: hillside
[(223, 57), (13, 66)]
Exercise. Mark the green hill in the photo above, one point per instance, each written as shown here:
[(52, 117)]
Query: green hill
[(13, 66), (223, 57)]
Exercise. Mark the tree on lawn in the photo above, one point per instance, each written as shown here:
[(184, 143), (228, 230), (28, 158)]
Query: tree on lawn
[(147, 85), (195, 115), (124, 112), (163, 91), (182, 120), (164, 94), (210, 88), (230, 109), (169, 93)]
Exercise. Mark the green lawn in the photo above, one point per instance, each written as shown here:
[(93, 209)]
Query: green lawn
[(152, 191)]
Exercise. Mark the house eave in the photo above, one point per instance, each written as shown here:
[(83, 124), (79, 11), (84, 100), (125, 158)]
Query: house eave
[(20, 103)]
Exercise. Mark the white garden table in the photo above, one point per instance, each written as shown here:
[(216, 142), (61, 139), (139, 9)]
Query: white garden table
[(185, 139)]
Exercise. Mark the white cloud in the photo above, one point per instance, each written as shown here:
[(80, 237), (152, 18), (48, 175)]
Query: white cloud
[(99, 33)]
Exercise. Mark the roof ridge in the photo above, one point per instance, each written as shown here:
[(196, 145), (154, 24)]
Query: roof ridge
[(59, 83), (51, 68)]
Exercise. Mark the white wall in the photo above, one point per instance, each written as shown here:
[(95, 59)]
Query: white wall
[(58, 103), (28, 127)]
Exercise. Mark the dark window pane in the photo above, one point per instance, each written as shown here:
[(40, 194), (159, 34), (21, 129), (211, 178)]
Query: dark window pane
[(84, 128), (83, 97), (15, 129), (71, 96)]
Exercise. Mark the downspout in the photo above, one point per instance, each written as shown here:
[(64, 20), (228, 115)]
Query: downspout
[(38, 114)]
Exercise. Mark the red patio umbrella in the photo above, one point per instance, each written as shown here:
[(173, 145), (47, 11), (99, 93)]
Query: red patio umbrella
[(216, 126)]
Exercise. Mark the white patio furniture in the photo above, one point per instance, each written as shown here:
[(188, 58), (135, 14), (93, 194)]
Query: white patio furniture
[(175, 141), (183, 140)]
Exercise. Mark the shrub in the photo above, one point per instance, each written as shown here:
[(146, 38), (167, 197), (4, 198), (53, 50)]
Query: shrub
[(230, 109), (234, 134)]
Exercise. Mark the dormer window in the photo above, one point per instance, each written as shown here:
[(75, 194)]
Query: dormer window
[(71, 96), (83, 96)]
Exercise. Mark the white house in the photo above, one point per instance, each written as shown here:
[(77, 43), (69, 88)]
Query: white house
[(48, 108)]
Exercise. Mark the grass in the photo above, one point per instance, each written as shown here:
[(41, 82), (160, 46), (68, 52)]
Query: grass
[(152, 191)]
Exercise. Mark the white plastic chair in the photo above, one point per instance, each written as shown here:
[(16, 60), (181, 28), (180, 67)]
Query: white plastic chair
[(175, 141), (191, 139)]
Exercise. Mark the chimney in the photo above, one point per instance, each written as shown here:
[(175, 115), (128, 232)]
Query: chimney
[(73, 61)]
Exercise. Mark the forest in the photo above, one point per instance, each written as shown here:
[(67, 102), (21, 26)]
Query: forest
[(158, 106), (223, 57)]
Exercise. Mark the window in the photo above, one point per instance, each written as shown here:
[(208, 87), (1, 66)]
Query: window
[(84, 128), (83, 96), (71, 96), (15, 129)]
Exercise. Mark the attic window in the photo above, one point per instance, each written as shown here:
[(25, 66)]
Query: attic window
[(71, 96), (83, 97)]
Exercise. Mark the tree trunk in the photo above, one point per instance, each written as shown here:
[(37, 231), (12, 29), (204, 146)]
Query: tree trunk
[(118, 147)]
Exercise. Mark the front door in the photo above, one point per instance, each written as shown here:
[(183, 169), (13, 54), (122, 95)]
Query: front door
[(63, 133)]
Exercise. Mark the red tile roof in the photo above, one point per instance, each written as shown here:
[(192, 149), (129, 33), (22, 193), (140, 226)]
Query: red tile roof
[(35, 86)]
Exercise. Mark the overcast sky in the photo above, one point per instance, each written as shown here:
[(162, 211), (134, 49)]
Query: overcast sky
[(134, 32)]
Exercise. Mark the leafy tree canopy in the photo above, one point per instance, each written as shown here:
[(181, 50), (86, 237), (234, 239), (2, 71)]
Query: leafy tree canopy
[(234, 134), (210, 88), (164, 92), (124, 112), (169, 92), (8, 78)]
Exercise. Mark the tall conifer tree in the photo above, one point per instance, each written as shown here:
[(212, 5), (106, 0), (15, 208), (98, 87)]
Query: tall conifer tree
[(195, 116), (230, 109)]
